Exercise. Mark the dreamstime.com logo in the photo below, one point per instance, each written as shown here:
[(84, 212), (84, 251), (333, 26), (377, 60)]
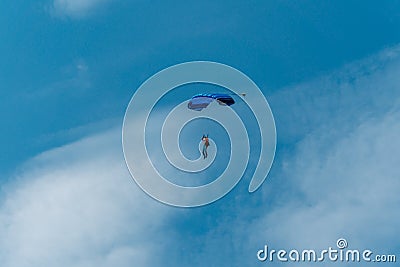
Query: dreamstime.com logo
[(144, 100), (339, 254)]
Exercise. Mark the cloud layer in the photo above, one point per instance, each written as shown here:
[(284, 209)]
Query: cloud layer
[(77, 206), (335, 175), (341, 178)]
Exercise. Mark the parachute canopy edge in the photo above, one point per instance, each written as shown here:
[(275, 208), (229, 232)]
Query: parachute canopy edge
[(200, 101)]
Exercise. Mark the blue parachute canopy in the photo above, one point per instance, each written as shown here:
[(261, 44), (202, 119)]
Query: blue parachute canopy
[(200, 101)]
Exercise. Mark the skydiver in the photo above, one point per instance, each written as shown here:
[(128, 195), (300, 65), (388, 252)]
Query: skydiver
[(205, 145)]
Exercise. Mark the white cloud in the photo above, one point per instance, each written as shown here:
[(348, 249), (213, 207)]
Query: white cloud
[(350, 188), (336, 171), (75, 8), (342, 177), (341, 99), (78, 206)]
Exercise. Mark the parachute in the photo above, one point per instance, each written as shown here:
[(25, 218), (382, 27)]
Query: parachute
[(200, 101)]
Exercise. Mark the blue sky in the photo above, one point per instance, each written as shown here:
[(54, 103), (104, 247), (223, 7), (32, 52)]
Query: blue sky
[(329, 70)]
